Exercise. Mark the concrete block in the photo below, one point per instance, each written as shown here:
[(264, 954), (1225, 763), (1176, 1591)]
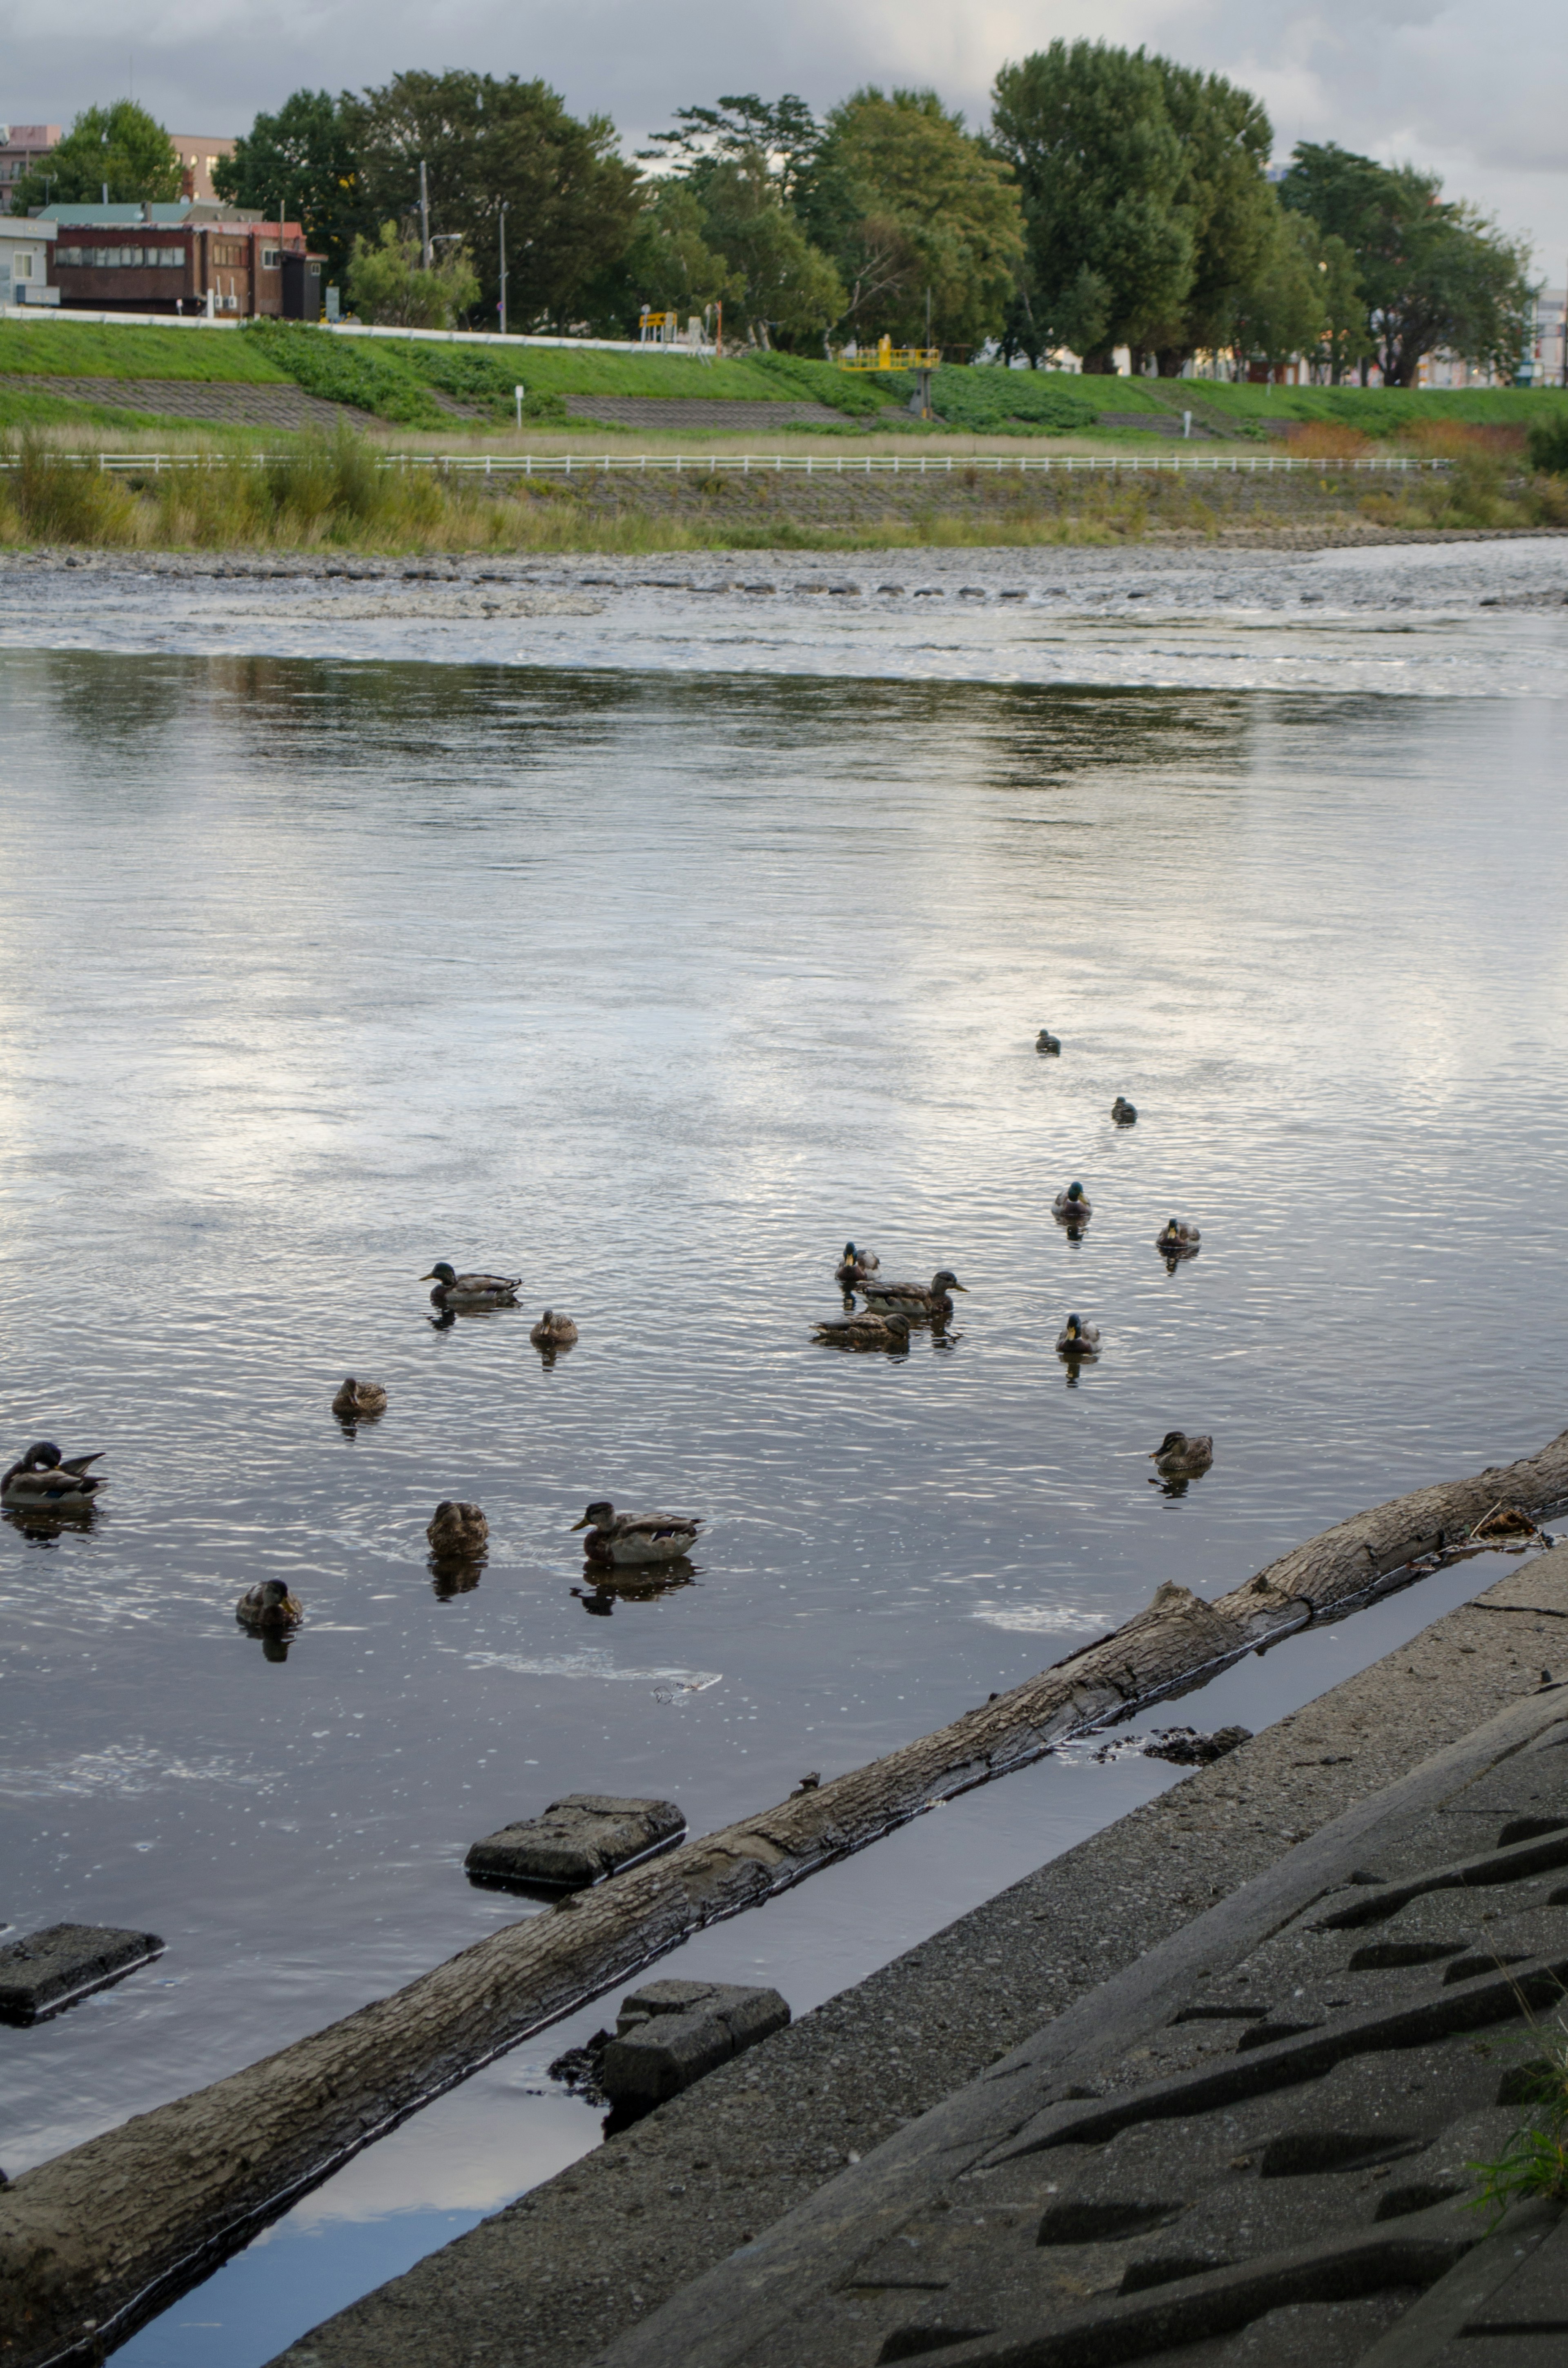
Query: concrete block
[(49, 1969), (577, 1841), (668, 2034)]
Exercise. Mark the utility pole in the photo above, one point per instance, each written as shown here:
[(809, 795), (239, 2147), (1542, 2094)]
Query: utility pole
[(504, 275), (425, 255)]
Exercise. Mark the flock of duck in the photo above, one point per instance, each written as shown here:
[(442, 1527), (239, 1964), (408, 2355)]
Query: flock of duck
[(52, 1487)]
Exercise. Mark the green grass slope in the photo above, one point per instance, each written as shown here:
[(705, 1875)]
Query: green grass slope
[(1376, 411), (61, 348)]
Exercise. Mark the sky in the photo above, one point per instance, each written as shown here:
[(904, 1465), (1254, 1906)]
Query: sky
[(1477, 92)]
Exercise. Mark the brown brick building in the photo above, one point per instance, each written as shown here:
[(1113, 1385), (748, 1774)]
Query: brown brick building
[(235, 268)]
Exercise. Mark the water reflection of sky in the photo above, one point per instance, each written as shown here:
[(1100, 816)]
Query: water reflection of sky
[(656, 988)]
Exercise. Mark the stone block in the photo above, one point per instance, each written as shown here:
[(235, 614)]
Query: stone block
[(49, 1969), (577, 1841), (668, 2034)]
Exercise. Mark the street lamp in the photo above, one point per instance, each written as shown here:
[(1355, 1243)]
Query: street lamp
[(503, 270)]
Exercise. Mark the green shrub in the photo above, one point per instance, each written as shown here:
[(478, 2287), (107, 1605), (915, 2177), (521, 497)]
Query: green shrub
[(1549, 446), (61, 499), (990, 401), (369, 374)]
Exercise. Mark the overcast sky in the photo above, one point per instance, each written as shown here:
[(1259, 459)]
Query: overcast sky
[(1480, 93)]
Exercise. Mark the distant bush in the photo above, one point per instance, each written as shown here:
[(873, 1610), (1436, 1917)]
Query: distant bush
[(368, 374), (990, 401), (1549, 446), (57, 500), (1325, 439)]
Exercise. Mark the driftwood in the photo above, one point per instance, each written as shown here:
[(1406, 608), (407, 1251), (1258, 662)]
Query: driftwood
[(93, 2241)]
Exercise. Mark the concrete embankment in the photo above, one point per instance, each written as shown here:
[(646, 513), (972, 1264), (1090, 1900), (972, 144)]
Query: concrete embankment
[(576, 2264)]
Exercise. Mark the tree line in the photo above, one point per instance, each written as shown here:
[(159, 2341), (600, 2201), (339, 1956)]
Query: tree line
[(1114, 200)]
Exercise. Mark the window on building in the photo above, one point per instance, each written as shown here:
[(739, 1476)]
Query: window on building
[(21, 267), (171, 258), (269, 258)]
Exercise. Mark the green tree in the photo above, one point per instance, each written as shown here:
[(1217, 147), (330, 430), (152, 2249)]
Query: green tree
[(1280, 313), (1346, 341), (669, 267), (572, 199), (783, 131), (302, 161), (121, 145), (1102, 173), (1226, 140), (1434, 274), (389, 287), (792, 294), (906, 203)]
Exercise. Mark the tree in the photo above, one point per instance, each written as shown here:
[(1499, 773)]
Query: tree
[(906, 203), (783, 131), (1226, 140), (121, 145), (303, 162), (792, 294), (574, 202), (1345, 338), (669, 267), (1102, 174), (1433, 273), (1280, 313), (389, 285)]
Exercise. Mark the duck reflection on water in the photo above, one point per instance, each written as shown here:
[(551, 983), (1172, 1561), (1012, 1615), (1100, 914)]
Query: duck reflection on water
[(607, 1587), (451, 1575)]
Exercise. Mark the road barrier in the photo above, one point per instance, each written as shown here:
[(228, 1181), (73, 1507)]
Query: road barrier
[(747, 464)]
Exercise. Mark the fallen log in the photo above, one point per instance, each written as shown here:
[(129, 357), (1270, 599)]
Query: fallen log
[(95, 2240)]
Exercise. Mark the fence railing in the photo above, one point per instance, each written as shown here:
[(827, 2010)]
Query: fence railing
[(870, 464)]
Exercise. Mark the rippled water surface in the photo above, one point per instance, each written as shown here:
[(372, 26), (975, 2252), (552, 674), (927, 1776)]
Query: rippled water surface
[(652, 987)]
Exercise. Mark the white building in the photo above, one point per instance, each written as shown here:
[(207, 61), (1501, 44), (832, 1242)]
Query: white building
[(24, 261)]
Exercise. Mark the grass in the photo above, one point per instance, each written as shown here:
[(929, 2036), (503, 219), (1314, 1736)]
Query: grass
[(1535, 2162), (61, 348), (1378, 412)]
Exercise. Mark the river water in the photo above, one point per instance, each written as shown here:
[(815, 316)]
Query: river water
[(648, 944)]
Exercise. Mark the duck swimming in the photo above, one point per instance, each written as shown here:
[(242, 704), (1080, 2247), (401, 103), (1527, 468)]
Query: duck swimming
[(871, 1330), (1077, 1338), (854, 1264), (1072, 1208), (1122, 1111), (553, 1331), (1177, 1457), (45, 1482), (1177, 1238), (457, 1531), (471, 1290), (357, 1398), (269, 1604), (1046, 1043), (635, 1537), (933, 1299)]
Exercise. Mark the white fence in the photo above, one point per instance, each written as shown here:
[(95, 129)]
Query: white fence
[(747, 464)]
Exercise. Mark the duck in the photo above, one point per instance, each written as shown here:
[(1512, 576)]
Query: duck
[(46, 1482), (933, 1299), (269, 1604), (1046, 1043), (454, 1290), (635, 1537), (854, 1265), (1123, 1112), (1077, 1338), (357, 1398), (1177, 1457), (553, 1331), (457, 1531), (1073, 1207), (869, 1330), (1177, 1238)]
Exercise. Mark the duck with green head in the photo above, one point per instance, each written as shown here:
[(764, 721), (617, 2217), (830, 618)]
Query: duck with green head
[(855, 1265), (1077, 1338), (1072, 1207), (1177, 1238)]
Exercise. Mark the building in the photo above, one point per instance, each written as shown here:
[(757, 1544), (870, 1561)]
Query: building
[(25, 274), (22, 145), (198, 152), (223, 261)]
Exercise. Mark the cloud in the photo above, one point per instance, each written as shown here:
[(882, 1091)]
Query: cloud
[(1477, 95)]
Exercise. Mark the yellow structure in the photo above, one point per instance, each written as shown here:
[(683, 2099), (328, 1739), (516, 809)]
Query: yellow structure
[(889, 357), (657, 329)]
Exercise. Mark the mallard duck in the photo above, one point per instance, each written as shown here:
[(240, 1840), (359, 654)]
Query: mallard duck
[(635, 1537), (1073, 1207), (1121, 1109), (1077, 1338), (854, 1265), (47, 1482), (1177, 1457), (457, 1531), (454, 1289), (869, 1330), (1046, 1043), (553, 1331), (914, 1298), (357, 1398), (1177, 1238), (269, 1604)]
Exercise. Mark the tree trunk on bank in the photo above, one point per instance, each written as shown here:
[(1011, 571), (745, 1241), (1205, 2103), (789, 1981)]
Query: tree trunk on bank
[(102, 2235)]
